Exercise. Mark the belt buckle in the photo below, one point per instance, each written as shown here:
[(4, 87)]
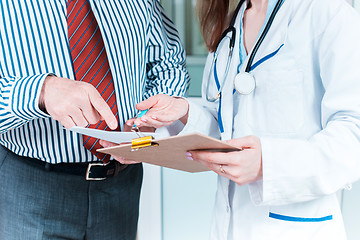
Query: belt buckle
[(88, 171)]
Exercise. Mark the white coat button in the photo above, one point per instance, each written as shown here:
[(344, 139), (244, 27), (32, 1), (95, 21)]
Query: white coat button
[(227, 209)]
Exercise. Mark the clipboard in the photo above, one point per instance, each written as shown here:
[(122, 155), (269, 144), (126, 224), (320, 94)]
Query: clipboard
[(170, 152)]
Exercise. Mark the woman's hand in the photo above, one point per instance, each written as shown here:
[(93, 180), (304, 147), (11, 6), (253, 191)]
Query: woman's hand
[(163, 111), (242, 167)]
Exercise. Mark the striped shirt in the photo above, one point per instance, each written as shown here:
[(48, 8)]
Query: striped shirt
[(144, 52)]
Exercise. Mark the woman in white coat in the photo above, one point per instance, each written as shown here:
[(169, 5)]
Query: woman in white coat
[(299, 128)]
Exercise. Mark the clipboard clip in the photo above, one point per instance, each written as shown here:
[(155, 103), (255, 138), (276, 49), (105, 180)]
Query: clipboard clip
[(142, 142), (136, 130)]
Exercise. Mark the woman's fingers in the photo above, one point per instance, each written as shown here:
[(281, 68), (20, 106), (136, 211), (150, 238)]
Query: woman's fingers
[(242, 167), (245, 142), (151, 101), (217, 168), (215, 161), (163, 111), (146, 121), (212, 157)]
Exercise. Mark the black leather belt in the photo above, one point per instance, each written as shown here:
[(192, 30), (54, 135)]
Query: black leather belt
[(91, 171)]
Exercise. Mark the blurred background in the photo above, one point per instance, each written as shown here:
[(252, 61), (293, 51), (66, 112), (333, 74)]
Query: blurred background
[(177, 205), (182, 12)]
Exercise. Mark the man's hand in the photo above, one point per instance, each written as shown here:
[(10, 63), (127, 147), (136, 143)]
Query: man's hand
[(120, 159), (74, 103)]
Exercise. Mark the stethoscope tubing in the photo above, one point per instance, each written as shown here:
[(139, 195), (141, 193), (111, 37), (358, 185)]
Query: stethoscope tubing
[(250, 79), (248, 68), (263, 35), (231, 29), (217, 82)]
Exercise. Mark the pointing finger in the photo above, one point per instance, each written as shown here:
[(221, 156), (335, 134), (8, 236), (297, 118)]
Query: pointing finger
[(103, 109)]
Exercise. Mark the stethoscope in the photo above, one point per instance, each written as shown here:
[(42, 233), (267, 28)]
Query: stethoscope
[(244, 82)]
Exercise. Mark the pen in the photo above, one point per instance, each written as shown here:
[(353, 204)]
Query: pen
[(140, 114)]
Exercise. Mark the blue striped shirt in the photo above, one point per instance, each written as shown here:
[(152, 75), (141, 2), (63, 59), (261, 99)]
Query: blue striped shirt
[(144, 52)]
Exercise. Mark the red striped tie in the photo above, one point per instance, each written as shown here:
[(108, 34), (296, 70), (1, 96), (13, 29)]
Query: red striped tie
[(90, 61)]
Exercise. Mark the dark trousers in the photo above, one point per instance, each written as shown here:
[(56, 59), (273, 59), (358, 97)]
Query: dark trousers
[(40, 204)]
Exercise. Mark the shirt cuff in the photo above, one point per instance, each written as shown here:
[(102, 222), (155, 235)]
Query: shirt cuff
[(171, 130), (194, 118), (24, 98)]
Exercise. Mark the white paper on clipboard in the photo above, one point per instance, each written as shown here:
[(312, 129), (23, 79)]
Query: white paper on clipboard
[(111, 136)]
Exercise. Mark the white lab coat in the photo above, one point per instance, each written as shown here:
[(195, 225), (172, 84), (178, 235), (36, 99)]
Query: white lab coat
[(306, 111)]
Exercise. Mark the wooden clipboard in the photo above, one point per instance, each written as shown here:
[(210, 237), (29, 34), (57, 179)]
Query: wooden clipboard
[(170, 152)]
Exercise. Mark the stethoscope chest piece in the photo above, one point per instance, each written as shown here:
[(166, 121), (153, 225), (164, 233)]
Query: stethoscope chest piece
[(244, 83)]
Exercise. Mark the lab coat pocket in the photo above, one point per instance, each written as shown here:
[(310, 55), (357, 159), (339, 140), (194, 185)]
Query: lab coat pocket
[(299, 219), (276, 105), (300, 212)]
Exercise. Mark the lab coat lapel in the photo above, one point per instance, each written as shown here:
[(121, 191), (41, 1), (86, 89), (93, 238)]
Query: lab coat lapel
[(227, 93), (276, 36), (227, 107)]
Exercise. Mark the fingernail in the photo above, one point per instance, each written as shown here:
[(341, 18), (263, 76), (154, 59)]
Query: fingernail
[(188, 154), (153, 117), (144, 120), (190, 158), (129, 124)]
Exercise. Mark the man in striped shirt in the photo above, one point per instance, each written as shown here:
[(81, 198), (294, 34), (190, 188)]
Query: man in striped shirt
[(67, 63)]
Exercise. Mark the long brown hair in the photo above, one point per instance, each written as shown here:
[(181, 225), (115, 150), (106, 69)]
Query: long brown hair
[(214, 17)]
